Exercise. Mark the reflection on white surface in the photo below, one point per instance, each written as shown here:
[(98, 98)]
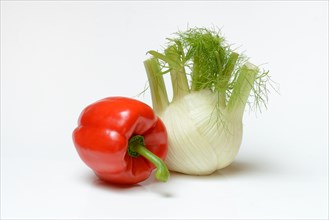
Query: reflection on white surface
[(234, 192)]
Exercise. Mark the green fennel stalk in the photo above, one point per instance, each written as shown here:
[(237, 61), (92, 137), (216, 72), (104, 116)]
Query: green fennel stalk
[(212, 65)]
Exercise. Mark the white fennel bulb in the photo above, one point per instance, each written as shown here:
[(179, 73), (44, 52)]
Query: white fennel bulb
[(197, 145), (204, 118)]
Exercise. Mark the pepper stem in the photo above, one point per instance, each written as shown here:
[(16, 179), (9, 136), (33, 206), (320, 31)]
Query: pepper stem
[(137, 147)]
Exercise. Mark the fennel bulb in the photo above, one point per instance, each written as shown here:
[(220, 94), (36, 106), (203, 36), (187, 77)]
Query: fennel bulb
[(204, 118)]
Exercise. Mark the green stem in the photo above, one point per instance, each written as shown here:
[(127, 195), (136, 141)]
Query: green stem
[(162, 173), (137, 147), (226, 75), (196, 84), (157, 86), (242, 88), (222, 99), (178, 74)]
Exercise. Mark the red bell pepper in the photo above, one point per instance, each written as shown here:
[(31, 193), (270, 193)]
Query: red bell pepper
[(122, 140)]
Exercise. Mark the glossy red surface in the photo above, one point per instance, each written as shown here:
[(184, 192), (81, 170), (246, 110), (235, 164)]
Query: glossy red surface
[(104, 129)]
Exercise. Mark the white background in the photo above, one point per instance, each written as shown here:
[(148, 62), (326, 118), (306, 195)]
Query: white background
[(57, 57)]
